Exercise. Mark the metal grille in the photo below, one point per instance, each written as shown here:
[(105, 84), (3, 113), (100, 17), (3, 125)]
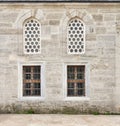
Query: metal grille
[(31, 81), (31, 35), (75, 80), (75, 37)]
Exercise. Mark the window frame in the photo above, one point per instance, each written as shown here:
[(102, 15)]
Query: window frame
[(20, 77), (30, 79), (23, 34), (87, 86), (75, 81), (73, 53)]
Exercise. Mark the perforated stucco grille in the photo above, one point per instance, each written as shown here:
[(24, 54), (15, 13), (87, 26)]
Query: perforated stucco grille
[(75, 37), (31, 36)]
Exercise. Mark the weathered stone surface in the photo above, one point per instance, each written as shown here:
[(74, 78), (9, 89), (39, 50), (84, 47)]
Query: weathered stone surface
[(109, 17), (100, 30), (98, 17), (118, 17), (8, 17), (53, 16), (90, 37), (8, 31), (102, 53), (54, 22)]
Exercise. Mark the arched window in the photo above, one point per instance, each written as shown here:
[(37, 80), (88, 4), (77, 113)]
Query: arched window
[(75, 36), (31, 36)]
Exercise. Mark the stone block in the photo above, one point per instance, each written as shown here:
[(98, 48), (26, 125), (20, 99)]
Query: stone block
[(100, 30), (6, 25), (111, 30), (109, 17), (54, 16), (118, 17), (54, 22), (90, 37), (8, 31), (90, 29), (8, 16), (44, 22), (106, 39), (45, 32), (110, 10), (97, 17), (55, 30)]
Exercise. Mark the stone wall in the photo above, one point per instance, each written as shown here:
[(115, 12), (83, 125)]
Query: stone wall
[(102, 54)]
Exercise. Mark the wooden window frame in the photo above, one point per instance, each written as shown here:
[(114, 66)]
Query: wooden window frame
[(75, 81), (87, 79), (31, 81), (20, 79)]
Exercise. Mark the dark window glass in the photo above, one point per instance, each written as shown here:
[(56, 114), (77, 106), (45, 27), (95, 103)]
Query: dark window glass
[(31, 81), (76, 80), (36, 76)]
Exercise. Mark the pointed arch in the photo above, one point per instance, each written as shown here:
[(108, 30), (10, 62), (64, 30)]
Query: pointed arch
[(32, 36), (75, 36), (84, 16)]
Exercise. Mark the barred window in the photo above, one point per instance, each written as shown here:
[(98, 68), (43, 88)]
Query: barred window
[(75, 37), (76, 80), (31, 36), (31, 80)]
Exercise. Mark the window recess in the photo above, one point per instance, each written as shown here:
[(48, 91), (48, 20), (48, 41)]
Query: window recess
[(31, 80), (75, 81)]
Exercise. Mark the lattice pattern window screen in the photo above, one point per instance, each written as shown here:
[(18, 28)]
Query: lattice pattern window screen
[(31, 36), (75, 37)]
